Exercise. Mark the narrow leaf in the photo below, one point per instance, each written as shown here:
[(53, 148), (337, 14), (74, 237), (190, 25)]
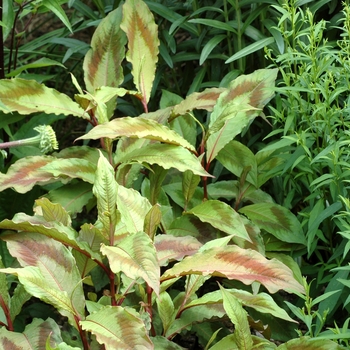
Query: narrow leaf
[(137, 128), (221, 216), (238, 317), (233, 262), (136, 257), (28, 96), (152, 221), (102, 64), (55, 7), (142, 32), (276, 220), (105, 190), (166, 310), (190, 182), (118, 328)]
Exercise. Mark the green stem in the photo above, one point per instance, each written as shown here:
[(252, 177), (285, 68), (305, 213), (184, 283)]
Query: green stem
[(228, 34)]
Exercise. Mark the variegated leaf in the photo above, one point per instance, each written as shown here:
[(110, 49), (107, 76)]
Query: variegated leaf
[(138, 127), (118, 328), (28, 96), (240, 264), (142, 32), (136, 257), (102, 64)]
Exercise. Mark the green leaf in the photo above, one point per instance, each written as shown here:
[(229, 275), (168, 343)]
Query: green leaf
[(184, 126), (105, 190), (102, 64), (18, 299), (28, 96), (33, 337), (142, 32), (49, 272), (152, 221), (136, 257), (236, 263), (237, 106), (165, 344), (41, 62), (118, 328), (249, 49), (310, 344), (221, 216), (277, 220), (166, 310), (238, 317), (137, 127), (171, 248), (55, 7), (167, 156), (190, 182), (72, 197), (52, 212), (236, 157), (210, 46)]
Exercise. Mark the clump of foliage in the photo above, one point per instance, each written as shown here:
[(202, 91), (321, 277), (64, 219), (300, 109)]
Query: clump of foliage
[(163, 227)]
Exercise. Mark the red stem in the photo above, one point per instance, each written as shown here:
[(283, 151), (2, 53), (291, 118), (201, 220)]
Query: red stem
[(7, 314), (82, 334), (149, 308)]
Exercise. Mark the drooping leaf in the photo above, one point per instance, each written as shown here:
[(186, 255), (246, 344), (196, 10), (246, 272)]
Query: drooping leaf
[(28, 96), (136, 257), (167, 156), (199, 100), (102, 64), (72, 168), (277, 220), (25, 173), (33, 337), (56, 269), (142, 32), (53, 229), (133, 208), (55, 7), (137, 128), (233, 262), (238, 317), (237, 106), (175, 248), (221, 216), (105, 190)]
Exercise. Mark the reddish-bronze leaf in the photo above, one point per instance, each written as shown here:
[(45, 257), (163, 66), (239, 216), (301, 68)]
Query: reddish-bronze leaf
[(240, 264)]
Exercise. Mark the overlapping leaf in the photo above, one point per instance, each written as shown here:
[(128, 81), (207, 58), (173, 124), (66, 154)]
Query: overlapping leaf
[(233, 262), (175, 248), (49, 272), (28, 96), (137, 128), (221, 216), (118, 328), (237, 106), (34, 336), (136, 257), (105, 190), (102, 64), (277, 220), (142, 32), (167, 156)]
